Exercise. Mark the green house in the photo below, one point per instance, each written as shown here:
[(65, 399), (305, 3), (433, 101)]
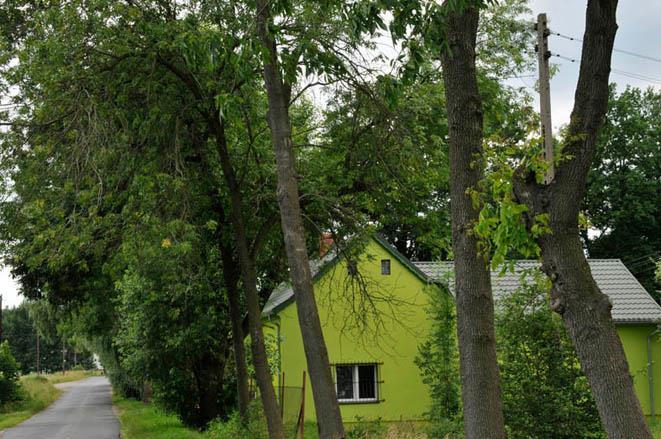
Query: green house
[(372, 342)]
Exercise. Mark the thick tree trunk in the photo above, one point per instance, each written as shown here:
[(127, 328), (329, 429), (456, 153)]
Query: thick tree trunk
[(480, 385), (236, 319), (260, 358), (323, 390), (209, 375), (585, 310)]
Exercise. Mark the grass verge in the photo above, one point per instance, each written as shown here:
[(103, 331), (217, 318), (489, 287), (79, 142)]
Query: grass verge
[(38, 393), (138, 420), (71, 375), (656, 429)]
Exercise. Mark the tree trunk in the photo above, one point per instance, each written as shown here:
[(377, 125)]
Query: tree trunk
[(259, 356), (480, 386), (209, 376), (323, 390), (585, 310), (236, 319)]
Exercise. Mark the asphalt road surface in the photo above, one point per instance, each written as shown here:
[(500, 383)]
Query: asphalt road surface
[(84, 411)]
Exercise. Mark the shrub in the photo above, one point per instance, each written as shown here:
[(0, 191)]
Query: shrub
[(232, 428), (438, 362), (366, 429), (9, 387), (545, 393)]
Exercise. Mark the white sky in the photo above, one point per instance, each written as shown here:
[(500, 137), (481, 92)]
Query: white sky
[(639, 31)]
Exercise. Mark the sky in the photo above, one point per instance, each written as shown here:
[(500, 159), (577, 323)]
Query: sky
[(639, 31)]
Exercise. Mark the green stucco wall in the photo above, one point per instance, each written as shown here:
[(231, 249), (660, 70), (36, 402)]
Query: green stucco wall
[(393, 342), (634, 340), (393, 345)]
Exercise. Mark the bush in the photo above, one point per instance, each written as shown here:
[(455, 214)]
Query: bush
[(9, 387), (545, 393), (438, 362), (365, 429), (233, 428)]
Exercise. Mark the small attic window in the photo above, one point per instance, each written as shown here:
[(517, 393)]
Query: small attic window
[(385, 267)]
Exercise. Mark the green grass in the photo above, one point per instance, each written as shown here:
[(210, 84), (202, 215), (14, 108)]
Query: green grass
[(656, 429), (140, 420), (38, 393), (71, 375)]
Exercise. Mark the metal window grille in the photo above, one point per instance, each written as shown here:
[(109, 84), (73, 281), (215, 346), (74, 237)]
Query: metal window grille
[(356, 382)]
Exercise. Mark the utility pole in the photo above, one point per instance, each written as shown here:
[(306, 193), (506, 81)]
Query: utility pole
[(543, 55), (64, 358), (38, 354), (0, 318)]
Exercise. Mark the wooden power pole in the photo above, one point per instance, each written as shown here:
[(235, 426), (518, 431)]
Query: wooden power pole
[(543, 55), (38, 355), (0, 318), (64, 357)]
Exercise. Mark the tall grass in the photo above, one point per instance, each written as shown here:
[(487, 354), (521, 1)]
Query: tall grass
[(37, 394), (138, 420), (71, 375), (656, 429)]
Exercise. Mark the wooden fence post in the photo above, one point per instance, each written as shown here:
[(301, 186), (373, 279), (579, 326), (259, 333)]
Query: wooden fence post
[(302, 425)]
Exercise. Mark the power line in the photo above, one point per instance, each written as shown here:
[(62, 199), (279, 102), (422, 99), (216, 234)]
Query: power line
[(637, 258), (626, 52), (631, 75)]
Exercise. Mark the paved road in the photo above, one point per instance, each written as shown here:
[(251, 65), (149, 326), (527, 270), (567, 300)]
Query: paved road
[(84, 411)]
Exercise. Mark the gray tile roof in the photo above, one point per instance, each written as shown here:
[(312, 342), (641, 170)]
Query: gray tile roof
[(631, 302)]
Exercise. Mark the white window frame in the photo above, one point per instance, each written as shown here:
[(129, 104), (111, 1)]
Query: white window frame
[(356, 383)]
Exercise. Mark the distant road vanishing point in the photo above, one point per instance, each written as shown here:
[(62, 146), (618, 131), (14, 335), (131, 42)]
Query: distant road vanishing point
[(84, 411)]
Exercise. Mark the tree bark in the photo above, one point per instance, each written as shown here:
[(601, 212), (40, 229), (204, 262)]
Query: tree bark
[(323, 389), (209, 375), (480, 385), (260, 358), (236, 319), (585, 310)]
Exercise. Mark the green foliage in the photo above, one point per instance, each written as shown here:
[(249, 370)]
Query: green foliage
[(36, 393), (138, 420), (9, 388), (438, 362), (233, 427), (623, 200), (21, 326), (364, 429), (385, 169), (545, 393)]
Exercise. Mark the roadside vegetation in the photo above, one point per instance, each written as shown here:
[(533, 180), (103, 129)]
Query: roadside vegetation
[(22, 397), (138, 420), (35, 393), (71, 375)]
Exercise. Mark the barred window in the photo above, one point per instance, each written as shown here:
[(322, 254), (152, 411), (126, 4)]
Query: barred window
[(356, 382)]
